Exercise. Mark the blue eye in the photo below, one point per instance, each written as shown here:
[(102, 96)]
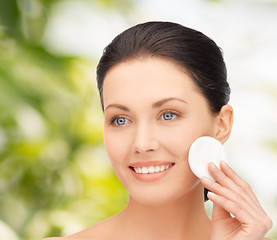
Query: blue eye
[(169, 116), (120, 121)]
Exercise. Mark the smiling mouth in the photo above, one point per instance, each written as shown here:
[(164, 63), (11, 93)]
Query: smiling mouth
[(152, 169)]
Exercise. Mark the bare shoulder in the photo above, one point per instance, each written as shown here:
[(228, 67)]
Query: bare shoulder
[(53, 238), (99, 235), (103, 230)]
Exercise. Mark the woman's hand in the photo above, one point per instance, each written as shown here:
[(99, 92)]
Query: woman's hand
[(230, 194)]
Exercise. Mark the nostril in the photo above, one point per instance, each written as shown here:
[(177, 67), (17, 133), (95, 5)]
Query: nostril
[(146, 147), (145, 139)]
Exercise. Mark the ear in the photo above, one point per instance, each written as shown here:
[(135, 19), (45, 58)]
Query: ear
[(224, 122)]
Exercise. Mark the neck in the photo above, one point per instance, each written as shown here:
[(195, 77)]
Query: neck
[(182, 218)]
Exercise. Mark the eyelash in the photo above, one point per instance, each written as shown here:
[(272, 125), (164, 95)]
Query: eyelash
[(112, 121), (171, 112)]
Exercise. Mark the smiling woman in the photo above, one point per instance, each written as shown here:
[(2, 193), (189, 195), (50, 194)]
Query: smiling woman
[(162, 86), (160, 122)]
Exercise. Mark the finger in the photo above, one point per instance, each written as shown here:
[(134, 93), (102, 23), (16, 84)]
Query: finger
[(230, 195), (239, 212), (251, 207), (244, 217), (219, 213), (230, 173), (226, 182), (220, 176)]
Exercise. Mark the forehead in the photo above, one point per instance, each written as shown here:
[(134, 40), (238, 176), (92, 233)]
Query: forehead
[(149, 78)]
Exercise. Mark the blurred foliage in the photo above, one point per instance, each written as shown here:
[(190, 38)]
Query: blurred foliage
[(54, 175), (55, 178)]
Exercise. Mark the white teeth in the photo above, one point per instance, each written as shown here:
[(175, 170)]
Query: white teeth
[(144, 170), (151, 169)]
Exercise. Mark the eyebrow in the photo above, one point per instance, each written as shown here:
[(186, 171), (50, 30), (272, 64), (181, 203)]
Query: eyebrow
[(163, 101), (154, 105), (118, 106)]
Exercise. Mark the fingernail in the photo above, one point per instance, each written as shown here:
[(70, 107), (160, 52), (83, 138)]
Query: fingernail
[(224, 163), (211, 194), (213, 165), (206, 179)]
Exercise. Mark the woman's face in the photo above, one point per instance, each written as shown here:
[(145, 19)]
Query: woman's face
[(153, 113)]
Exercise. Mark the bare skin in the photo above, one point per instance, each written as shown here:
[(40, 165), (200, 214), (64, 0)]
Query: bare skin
[(153, 113)]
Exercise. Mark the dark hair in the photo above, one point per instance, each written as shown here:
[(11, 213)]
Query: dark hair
[(195, 52)]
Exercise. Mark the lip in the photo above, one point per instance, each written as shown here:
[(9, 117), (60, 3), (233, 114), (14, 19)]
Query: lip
[(150, 177)]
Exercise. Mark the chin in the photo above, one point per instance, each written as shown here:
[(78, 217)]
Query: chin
[(149, 196), (152, 200)]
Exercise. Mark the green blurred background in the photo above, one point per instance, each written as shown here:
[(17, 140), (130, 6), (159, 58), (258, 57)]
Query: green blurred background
[(54, 175), (55, 178)]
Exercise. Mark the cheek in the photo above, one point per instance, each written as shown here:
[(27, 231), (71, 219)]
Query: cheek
[(176, 142), (116, 145), (178, 139)]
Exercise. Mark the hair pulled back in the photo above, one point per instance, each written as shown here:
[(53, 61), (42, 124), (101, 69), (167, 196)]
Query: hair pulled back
[(199, 55)]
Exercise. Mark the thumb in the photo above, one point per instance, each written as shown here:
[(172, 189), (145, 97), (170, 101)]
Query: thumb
[(219, 213)]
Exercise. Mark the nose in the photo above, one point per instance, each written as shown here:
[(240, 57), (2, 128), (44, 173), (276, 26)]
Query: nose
[(145, 139)]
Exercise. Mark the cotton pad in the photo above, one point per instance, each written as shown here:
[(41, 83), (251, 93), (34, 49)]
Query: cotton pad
[(203, 151)]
